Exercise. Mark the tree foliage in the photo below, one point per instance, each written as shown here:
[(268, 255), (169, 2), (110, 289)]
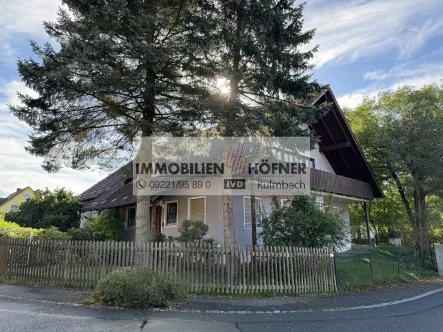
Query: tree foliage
[(401, 132), (59, 208), (121, 69), (302, 223)]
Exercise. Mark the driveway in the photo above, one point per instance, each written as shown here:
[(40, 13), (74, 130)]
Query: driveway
[(36, 309)]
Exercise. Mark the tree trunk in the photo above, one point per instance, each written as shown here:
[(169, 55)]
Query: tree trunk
[(253, 222), (143, 220), (404, 199), (228, 221), (230, 118), (421, 233), (358, 233)]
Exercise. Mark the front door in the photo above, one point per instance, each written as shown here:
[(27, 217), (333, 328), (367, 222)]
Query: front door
[(156, 220)]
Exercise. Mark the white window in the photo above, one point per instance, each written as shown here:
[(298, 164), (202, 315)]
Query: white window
[(197, 209), (171, 213), (14, 207), (27, 196), (247, 212), (285, 202)]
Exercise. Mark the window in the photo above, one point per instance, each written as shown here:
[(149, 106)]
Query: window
[(27, 196), (247, 212), (171, 214), (312, 163), (286, 202), (197, 209), (14, 207), (130, 221)]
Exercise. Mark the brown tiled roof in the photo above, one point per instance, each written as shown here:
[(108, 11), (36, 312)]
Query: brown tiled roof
[(2, 200), (112, 191)]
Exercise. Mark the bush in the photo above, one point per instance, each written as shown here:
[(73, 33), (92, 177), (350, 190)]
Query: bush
[(11, 229), (59, 208), (139, 288), (192, 231), (82, 233), (53, 233), (302, 223), (159, 237), (107, 226)]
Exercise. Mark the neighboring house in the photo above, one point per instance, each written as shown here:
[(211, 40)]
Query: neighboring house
[(13, 201), (339, 175)]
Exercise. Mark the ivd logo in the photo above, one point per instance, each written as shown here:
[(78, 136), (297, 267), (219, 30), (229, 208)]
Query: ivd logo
[(235, 184)]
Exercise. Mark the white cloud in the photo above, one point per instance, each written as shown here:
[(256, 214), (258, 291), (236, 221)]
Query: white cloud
[(23, 18), (26, 16), (375, 75), (18, 168), (418, 73), (349, 30)]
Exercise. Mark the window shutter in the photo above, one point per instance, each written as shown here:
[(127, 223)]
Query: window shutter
[(248, 222), (258, 212), (197, 209)]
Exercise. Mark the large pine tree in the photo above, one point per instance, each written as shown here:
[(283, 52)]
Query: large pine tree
[(257, 47), (118, 70), (122, 69)]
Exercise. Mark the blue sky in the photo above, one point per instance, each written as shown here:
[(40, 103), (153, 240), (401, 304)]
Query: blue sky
[(365, 46)]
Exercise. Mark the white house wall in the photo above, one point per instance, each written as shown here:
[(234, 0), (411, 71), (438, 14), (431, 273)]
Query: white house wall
[(321, 162), (213, 216)]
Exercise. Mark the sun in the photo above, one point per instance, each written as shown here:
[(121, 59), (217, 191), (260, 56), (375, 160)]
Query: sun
[(223, 85)]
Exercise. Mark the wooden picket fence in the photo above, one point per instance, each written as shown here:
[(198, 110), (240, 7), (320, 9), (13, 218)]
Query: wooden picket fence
[(206, 268)]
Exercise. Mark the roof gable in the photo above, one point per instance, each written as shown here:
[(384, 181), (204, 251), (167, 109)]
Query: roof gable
[(338, 144), (14, 194)]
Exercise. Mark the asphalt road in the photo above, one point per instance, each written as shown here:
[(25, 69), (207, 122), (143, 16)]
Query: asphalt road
[(29, 315)]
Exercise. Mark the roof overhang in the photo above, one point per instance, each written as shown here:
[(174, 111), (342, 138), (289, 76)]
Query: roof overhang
[(340, 146)]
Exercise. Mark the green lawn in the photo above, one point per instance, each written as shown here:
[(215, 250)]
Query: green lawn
[(388, 266)]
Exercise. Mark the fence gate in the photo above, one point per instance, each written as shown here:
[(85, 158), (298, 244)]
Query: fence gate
[(4, 253)]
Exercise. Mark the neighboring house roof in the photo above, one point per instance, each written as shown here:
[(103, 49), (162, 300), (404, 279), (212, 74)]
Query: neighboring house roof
[(336, 141), (11, 196)]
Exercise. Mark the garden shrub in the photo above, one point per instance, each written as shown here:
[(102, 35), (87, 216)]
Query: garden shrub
[(192, 231), (159, 237), (82, 233), (108, 225), (303, 223), (53, 233), (139, 288), (12, 229)]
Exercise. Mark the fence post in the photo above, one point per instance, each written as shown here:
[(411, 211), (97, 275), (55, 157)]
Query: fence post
[(335, 265), (398, 259)]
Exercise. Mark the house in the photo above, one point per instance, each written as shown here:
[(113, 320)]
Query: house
[(13, 201), (339, 175)]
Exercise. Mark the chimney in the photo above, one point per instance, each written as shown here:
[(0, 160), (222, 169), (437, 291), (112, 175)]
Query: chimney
[(18, 189)]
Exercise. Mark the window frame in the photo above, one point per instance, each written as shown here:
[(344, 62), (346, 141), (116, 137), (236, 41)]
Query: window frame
[(189, 206), (244, 212), (13, 209), (165, 214), (127, 217)]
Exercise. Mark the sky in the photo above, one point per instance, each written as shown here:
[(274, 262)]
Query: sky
[(364, 47)]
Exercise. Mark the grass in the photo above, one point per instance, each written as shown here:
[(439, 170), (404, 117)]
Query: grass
[(388, 267)]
